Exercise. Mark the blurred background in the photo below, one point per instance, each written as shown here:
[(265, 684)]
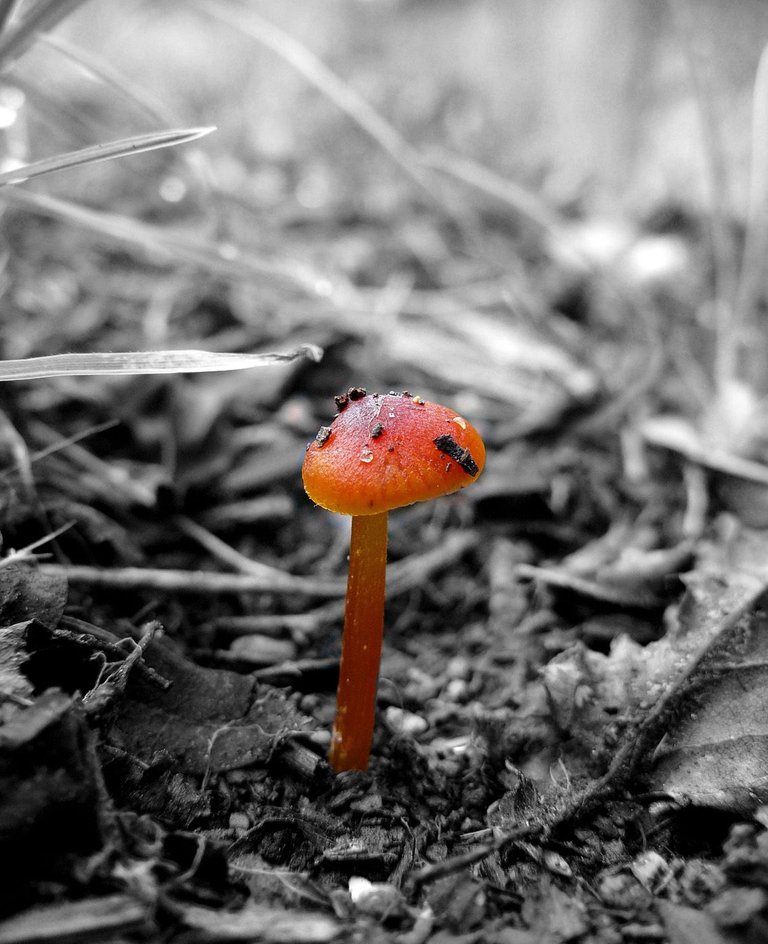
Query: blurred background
[(587, 101), (527, 209)]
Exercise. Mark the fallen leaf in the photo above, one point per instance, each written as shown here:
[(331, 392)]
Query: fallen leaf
[(208, 720), (50, 801), (717, 753), (13, 685), (25, 594)]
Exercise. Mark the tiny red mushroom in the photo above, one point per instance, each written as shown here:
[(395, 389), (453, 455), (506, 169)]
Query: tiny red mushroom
[(379, 453)]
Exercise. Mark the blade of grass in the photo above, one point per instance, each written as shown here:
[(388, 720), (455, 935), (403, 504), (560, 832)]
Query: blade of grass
[(506, 191), (317, 73), (144, 362), (138, 144), (62, 118), (151, 107), (752, 281), (222, 259), (6, 12), (143, 102), (723, 247), (44, 16)]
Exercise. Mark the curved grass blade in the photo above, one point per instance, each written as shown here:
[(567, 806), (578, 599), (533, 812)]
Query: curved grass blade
[(143, 103), (522, 200), (138, 144), (317, 73), (752, 280), (98, 68), (723, 247), (222, 259), (62, 118), (145, 362), (6, 11), (44, 16)]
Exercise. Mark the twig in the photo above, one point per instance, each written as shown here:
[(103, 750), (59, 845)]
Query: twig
[(553, 577), (412, 571), (403, 575), (246, 565), (248, 511), (205, 583), (431, 873)]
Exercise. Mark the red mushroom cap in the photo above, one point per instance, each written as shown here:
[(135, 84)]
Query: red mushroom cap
[(383, 452)]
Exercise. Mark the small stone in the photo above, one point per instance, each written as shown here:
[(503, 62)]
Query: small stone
[(457, 690), (378, 899), (459, 668), (650, 869), (239, 822), (405, 722), (556, 863), (619, 890)]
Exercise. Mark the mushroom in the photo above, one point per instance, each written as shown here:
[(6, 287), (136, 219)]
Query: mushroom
[(379, 453)]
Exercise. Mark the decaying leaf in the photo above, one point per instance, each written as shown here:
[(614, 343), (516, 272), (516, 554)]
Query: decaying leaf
[(50, 803), (207, 720), (14, 687), (26, 593), (717, 754), (711, 667)]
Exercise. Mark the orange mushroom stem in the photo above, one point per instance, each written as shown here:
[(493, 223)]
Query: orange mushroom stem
[(380, 453), (361, 644)]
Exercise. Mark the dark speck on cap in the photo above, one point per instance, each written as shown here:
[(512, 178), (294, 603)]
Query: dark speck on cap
[(462, 457)]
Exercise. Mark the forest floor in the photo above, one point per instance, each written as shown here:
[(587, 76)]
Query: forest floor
[(569, 744), (571, 733)]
